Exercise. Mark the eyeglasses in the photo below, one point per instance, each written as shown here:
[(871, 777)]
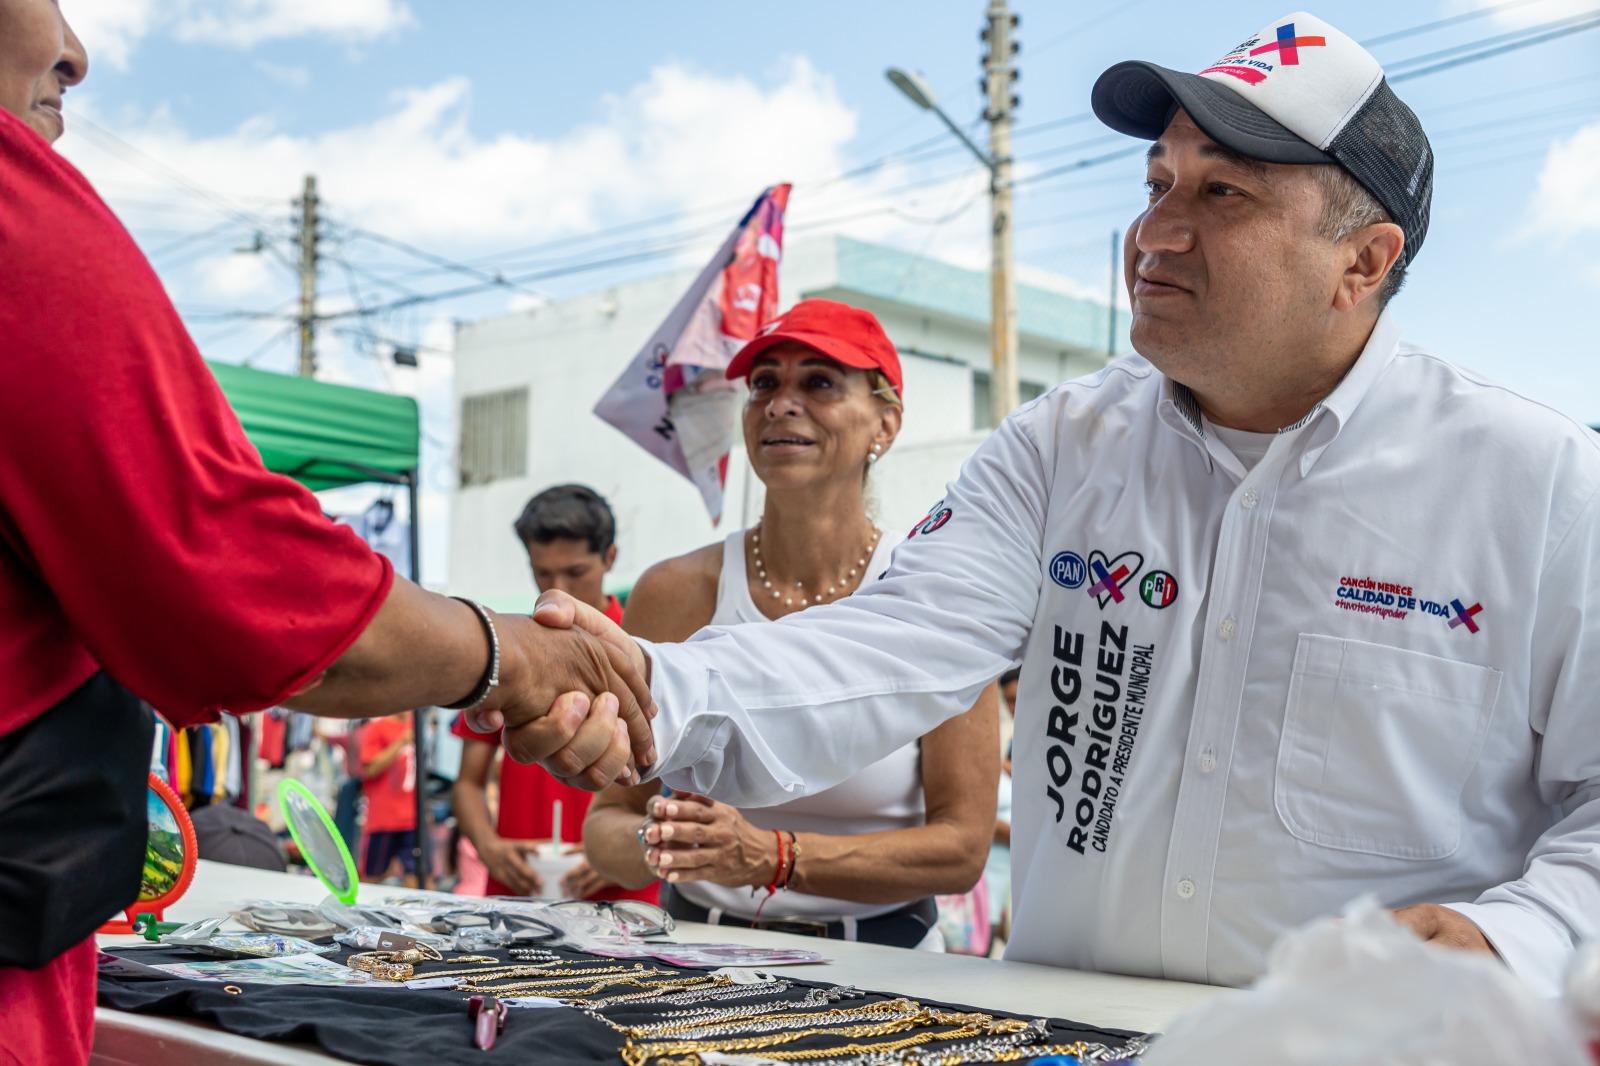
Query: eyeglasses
[(632, 916)]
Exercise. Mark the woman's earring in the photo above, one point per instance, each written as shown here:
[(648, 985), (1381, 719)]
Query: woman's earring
[(876, 449)]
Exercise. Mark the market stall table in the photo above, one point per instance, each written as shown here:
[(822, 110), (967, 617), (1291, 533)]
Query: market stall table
[(123, 1039)]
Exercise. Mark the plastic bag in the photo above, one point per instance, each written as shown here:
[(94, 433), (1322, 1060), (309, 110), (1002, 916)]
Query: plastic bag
[(286, 919), (367, 937), (1365, 991), (206, 937)]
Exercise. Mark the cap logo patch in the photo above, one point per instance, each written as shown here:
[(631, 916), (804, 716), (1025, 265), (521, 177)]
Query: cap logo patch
[(1288, 45), (1242, 64)]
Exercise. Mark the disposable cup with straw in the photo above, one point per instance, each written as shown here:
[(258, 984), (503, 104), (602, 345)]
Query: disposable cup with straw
[(550, 861)]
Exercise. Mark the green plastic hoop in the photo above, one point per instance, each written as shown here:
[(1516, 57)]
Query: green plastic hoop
[(308, 843)]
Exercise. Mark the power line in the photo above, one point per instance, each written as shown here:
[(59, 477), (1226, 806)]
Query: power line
[(1087, 24), (494, 278), (1569, 27), (1439, 24), (112, 144), (1082, 164)]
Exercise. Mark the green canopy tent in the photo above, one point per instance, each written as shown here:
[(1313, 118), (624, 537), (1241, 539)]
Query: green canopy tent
[(327, 436)]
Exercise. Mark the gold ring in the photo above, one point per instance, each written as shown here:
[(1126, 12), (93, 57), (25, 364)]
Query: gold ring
[(233, 990)]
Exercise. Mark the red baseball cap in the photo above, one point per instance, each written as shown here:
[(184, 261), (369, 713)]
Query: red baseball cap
[(845, 334)]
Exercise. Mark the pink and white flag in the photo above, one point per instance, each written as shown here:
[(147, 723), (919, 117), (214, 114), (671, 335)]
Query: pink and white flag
[(673, 400)]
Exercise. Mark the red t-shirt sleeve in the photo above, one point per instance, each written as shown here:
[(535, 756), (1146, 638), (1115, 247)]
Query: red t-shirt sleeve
[(193, 576)]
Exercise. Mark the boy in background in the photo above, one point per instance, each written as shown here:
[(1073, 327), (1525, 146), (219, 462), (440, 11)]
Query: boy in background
[(570, 535)]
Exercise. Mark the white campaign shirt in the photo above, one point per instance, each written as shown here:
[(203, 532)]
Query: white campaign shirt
[(1364, 665)]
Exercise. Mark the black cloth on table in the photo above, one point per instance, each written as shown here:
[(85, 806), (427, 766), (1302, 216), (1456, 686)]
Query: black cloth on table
[(424, 1027)]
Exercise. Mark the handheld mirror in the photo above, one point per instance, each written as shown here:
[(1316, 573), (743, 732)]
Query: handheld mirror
[(170, 854), (319, 841)]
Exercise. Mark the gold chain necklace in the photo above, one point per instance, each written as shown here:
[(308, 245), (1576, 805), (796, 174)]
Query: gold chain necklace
[(659, 988), (800, 1054), (967, 1025), (762, 1013), (840, 588), (571, 990)]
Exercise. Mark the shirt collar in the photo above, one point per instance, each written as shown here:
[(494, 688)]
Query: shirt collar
[(1342, 402), (1181, 411)]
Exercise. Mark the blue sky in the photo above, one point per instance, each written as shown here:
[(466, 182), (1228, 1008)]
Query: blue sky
[(473, 128)]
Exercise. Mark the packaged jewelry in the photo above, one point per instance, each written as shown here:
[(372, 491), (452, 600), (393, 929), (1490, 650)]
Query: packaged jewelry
[(285, 919), (377, 937), (206, 938)]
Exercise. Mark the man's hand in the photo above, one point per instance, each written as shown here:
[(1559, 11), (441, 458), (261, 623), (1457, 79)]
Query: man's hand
[(571, 702), (508, 863), (1443, 926), (558, 610)]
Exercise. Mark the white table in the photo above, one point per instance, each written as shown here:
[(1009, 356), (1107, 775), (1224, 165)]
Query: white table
[(1095, 999)]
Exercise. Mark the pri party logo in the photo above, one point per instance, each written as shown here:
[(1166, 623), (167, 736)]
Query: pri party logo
[(1242, 63), (933, 521)]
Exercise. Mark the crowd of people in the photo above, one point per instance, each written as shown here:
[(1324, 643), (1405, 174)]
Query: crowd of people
[(1293, 609)]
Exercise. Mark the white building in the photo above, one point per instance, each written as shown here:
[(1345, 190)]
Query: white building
[(526, 384)]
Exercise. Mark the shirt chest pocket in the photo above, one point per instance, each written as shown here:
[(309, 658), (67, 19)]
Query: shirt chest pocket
[(1377, 746)]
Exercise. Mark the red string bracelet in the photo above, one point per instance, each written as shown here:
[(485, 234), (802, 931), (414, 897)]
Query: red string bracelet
[(777, 873)]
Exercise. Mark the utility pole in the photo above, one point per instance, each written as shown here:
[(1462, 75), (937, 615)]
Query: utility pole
[(308, 278), (998, 76)]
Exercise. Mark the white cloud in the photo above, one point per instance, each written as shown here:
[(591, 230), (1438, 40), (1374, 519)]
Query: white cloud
[(1567, 201), (681, 138), (236, 278), (245, 23), (111, 29)]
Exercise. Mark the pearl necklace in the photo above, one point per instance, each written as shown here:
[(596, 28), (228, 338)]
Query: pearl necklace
[(839, 589)]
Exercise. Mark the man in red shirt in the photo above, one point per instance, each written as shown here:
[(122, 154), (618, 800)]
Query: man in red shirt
[(569, 533), (146, 554), (389, 783)]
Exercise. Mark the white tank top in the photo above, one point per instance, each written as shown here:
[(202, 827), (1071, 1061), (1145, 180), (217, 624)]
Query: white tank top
[(886, 795)]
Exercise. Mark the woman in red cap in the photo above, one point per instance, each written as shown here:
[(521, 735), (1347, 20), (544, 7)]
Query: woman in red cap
[(861, 860)]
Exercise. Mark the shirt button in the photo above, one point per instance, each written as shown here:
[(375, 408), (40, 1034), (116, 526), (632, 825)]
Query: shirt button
[(1186, 889), (1227, 628), (1250, 498), (1208, 761)]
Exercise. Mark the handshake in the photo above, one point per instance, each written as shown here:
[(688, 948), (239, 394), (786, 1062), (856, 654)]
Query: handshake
[(574, 695)]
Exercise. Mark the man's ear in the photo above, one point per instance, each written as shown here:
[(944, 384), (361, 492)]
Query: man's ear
[(1373, 252), (608, 558)]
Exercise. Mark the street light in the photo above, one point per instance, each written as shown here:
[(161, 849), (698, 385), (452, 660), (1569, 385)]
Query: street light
[(1003, 391), (919, 92)]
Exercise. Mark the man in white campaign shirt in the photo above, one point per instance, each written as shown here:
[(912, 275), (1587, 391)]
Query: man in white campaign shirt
[(1301, 609)]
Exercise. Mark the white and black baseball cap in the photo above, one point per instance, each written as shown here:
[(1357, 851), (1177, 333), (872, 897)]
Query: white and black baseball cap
[(1299, 91)]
